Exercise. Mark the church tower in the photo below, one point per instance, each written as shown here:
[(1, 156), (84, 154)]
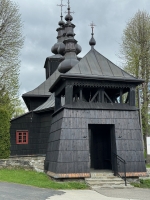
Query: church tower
[(99, 121)]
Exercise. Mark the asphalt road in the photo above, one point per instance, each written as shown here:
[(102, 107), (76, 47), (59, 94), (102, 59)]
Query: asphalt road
[(11, 191)]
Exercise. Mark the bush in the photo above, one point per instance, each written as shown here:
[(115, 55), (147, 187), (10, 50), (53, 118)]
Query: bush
[(4, 133)]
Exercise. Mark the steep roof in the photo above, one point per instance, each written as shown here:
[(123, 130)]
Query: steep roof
[(95, 64), (96, 67), (49, 104), (43, 89)]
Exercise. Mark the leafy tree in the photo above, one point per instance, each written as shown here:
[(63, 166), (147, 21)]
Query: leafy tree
[(4, 133), (135, 49), (11, 42), (19, 110)]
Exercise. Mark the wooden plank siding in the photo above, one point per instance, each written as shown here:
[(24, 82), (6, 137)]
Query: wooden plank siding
[(38, 126), (68, 146)]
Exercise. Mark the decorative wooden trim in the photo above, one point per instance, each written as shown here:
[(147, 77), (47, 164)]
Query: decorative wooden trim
[(134, 174), (73, 175), (95, 84)]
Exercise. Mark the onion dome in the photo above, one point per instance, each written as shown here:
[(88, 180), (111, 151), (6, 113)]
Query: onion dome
[(92, 41), (78, 48), (61, 23), (59, 47), (67, 64), (71, 46), (68, 18)]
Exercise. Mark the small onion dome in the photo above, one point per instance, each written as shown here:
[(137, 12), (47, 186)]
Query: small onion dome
[(54, 48), (67, 64), (58, 47), (61, 23), (92, 41), (68, 17), (78, 48), (61, 48)]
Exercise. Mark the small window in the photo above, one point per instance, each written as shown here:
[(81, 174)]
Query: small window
[(21, 137)]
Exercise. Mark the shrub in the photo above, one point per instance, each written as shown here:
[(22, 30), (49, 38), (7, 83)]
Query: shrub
[(4, 133)]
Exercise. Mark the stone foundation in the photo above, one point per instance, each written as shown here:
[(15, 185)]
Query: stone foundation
[(34, 163)]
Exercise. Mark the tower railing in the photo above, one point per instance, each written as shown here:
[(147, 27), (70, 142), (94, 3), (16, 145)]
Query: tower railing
[(120, 167)]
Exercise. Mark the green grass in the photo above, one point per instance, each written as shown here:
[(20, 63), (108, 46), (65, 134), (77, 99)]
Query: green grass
[(33, 178), (148, 165), (142, 184)]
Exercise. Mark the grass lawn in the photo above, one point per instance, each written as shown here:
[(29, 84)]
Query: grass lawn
[(33, 178), (148, 165), (142, 184)]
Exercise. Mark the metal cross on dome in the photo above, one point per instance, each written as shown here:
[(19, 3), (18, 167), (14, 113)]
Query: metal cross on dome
[(69, 8), (61, 5), (92, 26)]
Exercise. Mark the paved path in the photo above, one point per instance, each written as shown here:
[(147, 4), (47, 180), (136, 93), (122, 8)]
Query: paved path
[(134, 193), (10, 191), (82, 195)]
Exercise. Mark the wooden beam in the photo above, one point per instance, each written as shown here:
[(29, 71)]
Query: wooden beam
[(94, 96), (68, 94), (57, 102), (121, 93), (127, 99), (108, 97), (80, 94), (132, 97), (101, 96)]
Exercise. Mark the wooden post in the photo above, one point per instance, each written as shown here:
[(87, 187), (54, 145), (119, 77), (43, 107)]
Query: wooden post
[(132, 97), (68, 94), (57, 102), (101, 96), (121, 92), (80, 94)]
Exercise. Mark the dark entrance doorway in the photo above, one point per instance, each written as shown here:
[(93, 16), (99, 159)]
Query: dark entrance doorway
[(101, 145)]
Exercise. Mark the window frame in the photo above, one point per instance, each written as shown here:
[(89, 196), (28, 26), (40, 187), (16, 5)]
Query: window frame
[(22, 137)]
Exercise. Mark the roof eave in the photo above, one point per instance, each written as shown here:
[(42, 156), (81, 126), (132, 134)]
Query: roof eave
[(34, 95), (102, 78), (44, 110), (69, 76)]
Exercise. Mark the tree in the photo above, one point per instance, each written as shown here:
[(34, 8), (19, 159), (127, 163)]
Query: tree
[(11, 42), (4, 133), (135, 49), (19, 110)]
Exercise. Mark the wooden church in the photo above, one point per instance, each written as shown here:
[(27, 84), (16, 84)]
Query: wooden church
[(83, 116)]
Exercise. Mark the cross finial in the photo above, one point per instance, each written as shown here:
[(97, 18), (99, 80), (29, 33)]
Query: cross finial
[(69, 8), (92, 26), (61, 5)]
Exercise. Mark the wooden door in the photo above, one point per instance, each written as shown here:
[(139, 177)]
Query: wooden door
[(101, 146)]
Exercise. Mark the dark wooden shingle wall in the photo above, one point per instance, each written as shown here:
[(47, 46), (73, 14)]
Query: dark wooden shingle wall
[(68, 147), (38, 126)]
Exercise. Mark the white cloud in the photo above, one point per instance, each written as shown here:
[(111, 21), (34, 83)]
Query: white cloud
[(41, 18)]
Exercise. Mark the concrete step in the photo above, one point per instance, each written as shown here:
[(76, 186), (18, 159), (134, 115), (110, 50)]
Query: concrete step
[(106, 180), (114, 178), (121, 186)]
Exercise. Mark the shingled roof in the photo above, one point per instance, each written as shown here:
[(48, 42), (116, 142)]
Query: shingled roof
[(43, 89), (49, 104), (95, 64)]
